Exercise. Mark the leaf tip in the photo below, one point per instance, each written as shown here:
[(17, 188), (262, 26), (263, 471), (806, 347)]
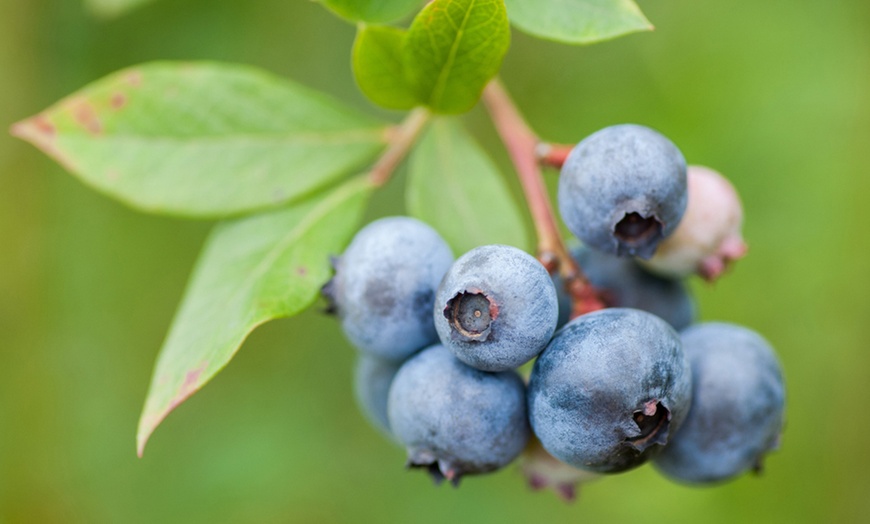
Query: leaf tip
[(41, 132), (140, 446), (152, 416), (36, 130), (147, 424)]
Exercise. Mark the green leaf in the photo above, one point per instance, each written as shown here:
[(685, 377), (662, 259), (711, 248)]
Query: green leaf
[(456, 188), (203, 139), (113, 8), (376, 11), (577, 21), (453, 48), (378, 69), (252, 270)]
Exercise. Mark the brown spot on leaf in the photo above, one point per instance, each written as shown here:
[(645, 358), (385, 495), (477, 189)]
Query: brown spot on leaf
[(85, 114), (188, 387), (134, 78), (119, 100), (301, 271), (44, 125), (112, 175)]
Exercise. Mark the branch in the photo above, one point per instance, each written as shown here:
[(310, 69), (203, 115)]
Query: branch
[(401, 139), (522, 145)]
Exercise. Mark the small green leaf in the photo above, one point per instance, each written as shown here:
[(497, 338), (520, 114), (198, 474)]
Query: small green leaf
[(577, 21), (113, 8), (252, 270), (453, 48), (203, 139), (375, 11), (378, 69), (455, 187)]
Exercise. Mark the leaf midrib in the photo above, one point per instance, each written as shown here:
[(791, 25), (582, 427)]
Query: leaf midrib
[(440, 84), (317, 213), (348, 136)]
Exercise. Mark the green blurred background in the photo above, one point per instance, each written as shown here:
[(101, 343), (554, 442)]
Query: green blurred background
[(774, 94)]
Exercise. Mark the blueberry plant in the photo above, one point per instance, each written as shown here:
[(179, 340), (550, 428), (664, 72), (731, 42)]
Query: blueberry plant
[(288, 171)]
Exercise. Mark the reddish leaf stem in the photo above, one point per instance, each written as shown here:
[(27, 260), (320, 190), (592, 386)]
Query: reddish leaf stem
[(400, 140), (522, 146)]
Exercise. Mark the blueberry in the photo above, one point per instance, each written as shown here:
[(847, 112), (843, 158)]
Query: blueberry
[(737, 406), (496, 308), (623, 189), (384, 286), (626, 284), (456, 420), (372, 379), (609, 389), (709, 237)]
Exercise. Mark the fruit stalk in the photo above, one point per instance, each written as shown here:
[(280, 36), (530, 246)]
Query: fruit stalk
[(522, 145), (553, 155)]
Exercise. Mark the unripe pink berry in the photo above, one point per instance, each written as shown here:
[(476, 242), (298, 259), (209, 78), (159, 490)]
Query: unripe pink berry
[(543, 471), (708, 237)]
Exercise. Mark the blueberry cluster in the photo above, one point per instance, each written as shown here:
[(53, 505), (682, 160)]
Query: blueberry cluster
[(441, 341)]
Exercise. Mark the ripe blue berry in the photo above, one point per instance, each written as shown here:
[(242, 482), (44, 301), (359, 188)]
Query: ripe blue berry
[(372, 379), (626, 284), (496, 308), (384, 286), (456, 420), (609, 389), (737, 405), (623, 189)]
